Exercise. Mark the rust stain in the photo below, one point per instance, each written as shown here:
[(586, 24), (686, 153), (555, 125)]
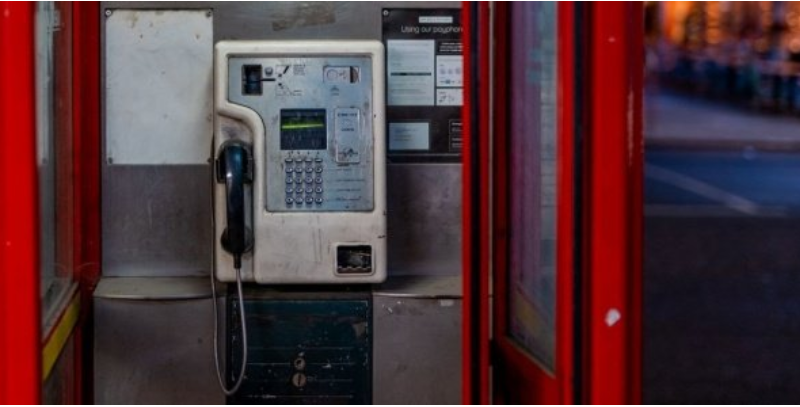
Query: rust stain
[(133, 19), (360, 328), (305, 15)]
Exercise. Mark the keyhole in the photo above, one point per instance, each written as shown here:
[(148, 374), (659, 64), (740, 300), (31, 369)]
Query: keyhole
[(299, 380)]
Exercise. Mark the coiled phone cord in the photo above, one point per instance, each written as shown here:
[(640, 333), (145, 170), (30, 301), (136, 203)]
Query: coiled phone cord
[(235, 388)]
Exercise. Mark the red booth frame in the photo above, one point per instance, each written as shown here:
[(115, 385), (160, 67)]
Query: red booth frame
[(20, 313), (610, 360), (20, 337), (599, 361)]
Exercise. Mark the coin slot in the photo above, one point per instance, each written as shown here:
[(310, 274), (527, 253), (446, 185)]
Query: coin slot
[(251, 80)]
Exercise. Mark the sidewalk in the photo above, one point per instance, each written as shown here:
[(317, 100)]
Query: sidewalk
[(681, 121)]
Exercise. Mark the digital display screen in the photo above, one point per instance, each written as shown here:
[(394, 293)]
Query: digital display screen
[(303, 129)]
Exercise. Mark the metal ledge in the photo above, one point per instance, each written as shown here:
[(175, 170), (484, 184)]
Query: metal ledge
[(153, 288), (193, 288), (420, 287)]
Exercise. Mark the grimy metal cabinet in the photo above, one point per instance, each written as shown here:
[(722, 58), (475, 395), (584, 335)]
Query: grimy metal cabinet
[(514, 209)]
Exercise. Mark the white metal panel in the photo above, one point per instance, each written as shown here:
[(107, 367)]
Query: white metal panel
[(159, 75)]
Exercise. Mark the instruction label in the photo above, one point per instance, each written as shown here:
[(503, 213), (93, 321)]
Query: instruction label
[(411, 72), (424, 84)]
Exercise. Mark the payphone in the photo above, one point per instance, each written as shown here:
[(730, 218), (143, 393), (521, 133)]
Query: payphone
[(299, 150), (300, 162)]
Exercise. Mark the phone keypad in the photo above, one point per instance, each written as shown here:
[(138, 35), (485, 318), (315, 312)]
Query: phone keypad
[(304, 181)]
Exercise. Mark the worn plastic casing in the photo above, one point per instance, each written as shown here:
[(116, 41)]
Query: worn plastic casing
[(298, 244)]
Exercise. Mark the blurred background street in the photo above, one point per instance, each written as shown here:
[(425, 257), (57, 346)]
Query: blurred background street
[(722, 265), (722, 196)]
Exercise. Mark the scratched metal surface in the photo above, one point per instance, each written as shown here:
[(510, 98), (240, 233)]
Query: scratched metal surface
[(417, 350), (156, 221), (301, 350), (158, 118), (154, 352)]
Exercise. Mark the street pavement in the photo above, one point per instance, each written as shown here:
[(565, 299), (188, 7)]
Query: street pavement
[(746, 182), (722, 258), (674, 120)]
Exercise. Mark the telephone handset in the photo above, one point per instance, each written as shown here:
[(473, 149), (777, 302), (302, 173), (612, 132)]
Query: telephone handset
[(235, 169)]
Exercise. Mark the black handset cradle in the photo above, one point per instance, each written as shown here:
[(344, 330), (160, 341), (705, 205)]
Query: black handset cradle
[(235, 169)]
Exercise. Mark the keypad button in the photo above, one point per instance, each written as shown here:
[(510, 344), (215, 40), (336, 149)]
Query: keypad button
[(319, 200), (309, 180), (309, 169), (318, 190), (309, 190), (318, 180), (288, 160), (319, 168), (309, 159), (289, 200), (289, 180), (289, 190), (298, 180), (319, 160), (289, 169), (309, 199)]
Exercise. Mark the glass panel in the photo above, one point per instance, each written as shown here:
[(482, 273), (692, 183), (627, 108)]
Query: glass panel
[(532, 285), (54, 154)]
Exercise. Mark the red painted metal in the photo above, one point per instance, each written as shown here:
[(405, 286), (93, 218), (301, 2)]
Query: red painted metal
[(504, 392), (20, 338), (466, 311), (614, 206), (636, 216), (86, 131), (475, 198), (519, 379), (484, 196), (565, 252), (86, 110)]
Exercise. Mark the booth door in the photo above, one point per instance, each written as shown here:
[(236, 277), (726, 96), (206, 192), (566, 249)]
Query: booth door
[(49, 99), (555, 184), (534, 208)]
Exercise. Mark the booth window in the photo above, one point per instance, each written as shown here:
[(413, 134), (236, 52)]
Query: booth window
[(54, 158), (532, 166)]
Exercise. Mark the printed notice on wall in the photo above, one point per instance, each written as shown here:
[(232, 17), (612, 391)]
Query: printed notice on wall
[(424, 84), (448, 71), (410, 66), (409, 136), (449, 97)]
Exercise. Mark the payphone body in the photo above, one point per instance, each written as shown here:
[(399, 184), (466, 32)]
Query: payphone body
[(312, 116)]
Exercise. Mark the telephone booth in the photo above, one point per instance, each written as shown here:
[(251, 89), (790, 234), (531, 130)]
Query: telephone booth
[(291, 203)]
